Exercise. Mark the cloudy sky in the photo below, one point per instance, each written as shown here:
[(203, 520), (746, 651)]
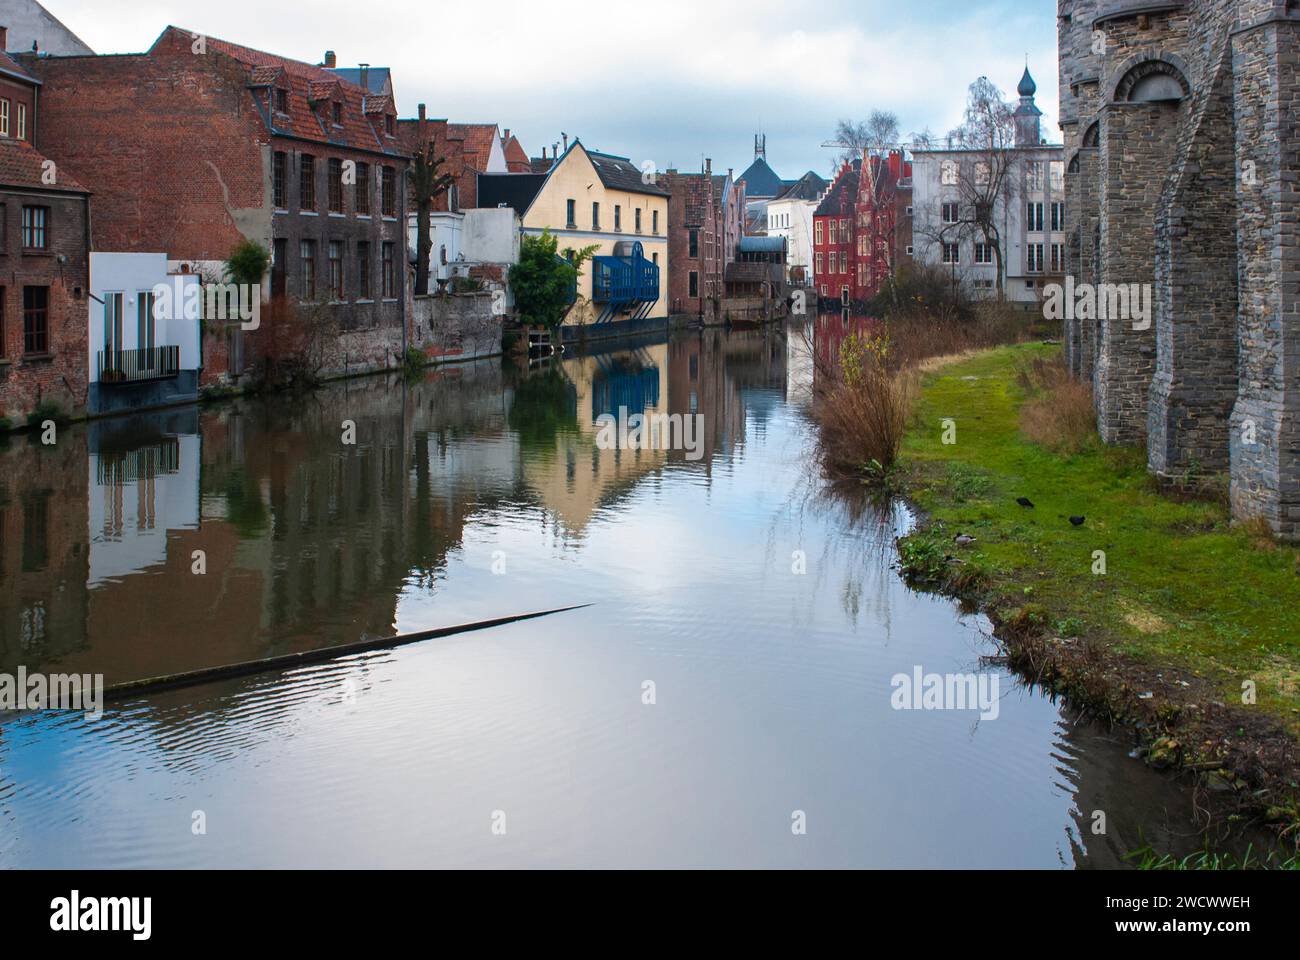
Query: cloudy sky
[(670, 81)]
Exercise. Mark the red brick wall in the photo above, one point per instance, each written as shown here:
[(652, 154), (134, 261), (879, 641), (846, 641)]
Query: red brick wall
[(60, 374), (147, 135)]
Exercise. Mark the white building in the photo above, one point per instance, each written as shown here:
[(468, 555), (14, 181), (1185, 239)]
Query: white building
[(790, 215), (143, 344), (1029, 210)]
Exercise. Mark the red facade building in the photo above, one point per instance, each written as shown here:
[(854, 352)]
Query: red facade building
[(862, 228)]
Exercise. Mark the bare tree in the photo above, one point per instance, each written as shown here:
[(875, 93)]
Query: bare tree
[(982, 174), (872, 135)]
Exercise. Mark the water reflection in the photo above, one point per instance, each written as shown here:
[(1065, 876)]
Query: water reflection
[(480, 491)]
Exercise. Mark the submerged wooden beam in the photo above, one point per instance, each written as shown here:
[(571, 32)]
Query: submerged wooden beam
[(132, 688)]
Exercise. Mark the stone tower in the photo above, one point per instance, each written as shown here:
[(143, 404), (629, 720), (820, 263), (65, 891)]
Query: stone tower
[(1180, 121)]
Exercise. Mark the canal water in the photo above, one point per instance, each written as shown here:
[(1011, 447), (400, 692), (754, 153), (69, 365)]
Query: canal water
[(724, 701)]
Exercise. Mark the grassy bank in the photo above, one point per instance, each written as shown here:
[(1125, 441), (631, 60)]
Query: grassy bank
[(1190, 617)]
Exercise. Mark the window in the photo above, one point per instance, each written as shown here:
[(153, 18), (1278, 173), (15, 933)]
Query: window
[(337, 114), (844, 262), (595, 216), (571, 214), (390, 124), (833, 227), (951, 212), (948, 173), (820, 268), (390, 276), (307, 182), (911, 251), (281, 100), (1058, 217), (1035, 251), (35, 222), (844, 231), (112, 322), (4, 117), (363, 190), (618, 218), (694, 244), (336, 270), (279, 181), (336, 186), (363, 270), (279, 266), (1057, 174), (389, 189), (1035, 217), (817, 233), (144, 326), (307, 254), (1058, 258), (951, 253), (637, 218), (654, 221), (983, 173), (1034, 175), (22, 121), (36, 320), (695, 284), (984, 253)]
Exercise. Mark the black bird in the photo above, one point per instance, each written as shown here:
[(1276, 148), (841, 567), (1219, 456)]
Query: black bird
[(1025, 502), (1078, 521)]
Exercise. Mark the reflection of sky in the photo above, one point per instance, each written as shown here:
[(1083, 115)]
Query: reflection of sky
[(772, 695)]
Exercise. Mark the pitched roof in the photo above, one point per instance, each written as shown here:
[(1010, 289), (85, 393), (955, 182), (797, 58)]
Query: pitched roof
[(761, 180), (808, 187), (477, 142), (22, 165), (11, 66), (619, 173), (305, 83), (541, 164), (516, 156), (843, 190)]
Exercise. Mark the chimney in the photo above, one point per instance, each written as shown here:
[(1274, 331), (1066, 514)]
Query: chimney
[(708, 166), (566, 142), (506, 138), (543, 153), (330, 60), (4, 38), (365, 76), (730, 171)]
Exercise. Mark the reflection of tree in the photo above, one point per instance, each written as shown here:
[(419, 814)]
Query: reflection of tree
[(545, 407), (244, 506)]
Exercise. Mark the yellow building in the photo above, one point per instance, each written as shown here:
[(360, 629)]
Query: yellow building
[(589, 198)]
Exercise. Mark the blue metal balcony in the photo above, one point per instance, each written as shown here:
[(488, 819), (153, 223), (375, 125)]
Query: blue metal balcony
[(625, 282)]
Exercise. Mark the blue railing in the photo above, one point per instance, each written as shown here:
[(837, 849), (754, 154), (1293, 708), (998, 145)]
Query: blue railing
[(626, 281)]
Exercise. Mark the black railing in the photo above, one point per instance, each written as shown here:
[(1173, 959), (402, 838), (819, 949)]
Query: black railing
[(132, 366)]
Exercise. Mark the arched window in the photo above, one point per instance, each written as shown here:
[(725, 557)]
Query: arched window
[(1153, 81)]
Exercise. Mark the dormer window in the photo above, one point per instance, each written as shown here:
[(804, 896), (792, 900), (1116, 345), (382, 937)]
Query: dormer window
[(390, 124), (337, 113), (281, 100)]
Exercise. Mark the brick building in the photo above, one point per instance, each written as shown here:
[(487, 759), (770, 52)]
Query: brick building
[(1181, 132), (696, 242), (197, 144), (44, 252), (862, 228)]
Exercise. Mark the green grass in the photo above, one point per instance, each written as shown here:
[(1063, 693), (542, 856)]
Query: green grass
[(1182, 587)]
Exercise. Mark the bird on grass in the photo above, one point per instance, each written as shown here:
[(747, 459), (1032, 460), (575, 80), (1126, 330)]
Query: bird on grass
[(962, 540), (1025, 502), (1078, 521)]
